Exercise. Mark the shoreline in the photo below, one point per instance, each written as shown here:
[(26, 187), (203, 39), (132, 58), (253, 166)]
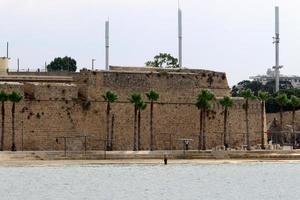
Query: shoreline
[(61, 158), (128, 162)]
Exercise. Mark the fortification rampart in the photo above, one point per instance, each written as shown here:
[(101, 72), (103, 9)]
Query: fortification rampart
[(180, 87), (53, 113)]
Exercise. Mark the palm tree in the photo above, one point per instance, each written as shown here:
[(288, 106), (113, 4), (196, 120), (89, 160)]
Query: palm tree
[(109, 97), (3, 99), (248, 95), (135, 99), (203, 104), (226, 102), (152, 96), (295, 103), (282, 100), (14, 98), (141, 106), (263, 96)]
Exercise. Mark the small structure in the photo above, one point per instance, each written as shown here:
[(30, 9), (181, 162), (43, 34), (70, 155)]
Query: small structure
[(3, 65), (185, 143)]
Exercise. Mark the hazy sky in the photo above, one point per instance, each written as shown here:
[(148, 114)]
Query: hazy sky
[(233, 36)]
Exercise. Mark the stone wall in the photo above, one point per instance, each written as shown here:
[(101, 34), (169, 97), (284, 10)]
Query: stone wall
[(179, 87), (42, 122), (50, 91)]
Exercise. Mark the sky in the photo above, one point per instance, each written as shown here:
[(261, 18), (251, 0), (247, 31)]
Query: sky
[(232, 36)]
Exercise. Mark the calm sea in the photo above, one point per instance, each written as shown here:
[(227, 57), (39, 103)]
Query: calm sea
[(139, 182)]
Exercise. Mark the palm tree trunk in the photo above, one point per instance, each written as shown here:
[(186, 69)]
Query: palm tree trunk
[(281, 112), (13, 146), (263, 124), (293, 124), (108, 148), (3, 125), (200, 131), (203, 127), (112, 131), (151, 127), (281, 125), (247, 126), (139, 130), (225, 128), (135, 129)]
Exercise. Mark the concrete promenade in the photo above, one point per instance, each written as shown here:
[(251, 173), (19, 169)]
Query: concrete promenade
[(144, 157)]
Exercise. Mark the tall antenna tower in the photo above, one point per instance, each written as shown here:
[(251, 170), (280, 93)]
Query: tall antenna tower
[(7, 50), (276, 41), (179, 35), (107, 45)]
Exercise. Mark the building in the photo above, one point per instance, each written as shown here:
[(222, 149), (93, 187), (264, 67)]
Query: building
[(270, 76)]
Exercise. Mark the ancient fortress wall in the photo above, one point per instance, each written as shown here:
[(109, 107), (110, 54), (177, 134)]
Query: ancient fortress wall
[(51, 111)]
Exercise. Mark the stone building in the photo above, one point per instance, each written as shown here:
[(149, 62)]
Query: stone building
[(68, 107)]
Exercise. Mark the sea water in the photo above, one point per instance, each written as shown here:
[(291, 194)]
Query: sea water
[(139, 182)]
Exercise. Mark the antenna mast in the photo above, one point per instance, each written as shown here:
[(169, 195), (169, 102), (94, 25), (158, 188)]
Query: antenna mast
[(276, 41), (179, 35), (7, 50), (107, 45)]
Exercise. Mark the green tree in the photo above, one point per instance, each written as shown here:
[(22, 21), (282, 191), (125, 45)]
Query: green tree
[(135, 99), (109, 97), (163, 60), (270, 87), (227, 103), (141, 106), (3, 99), (254, 86), (152, 97), (270, 104), (14, 98), (282, 100), (295, 103), (263, 96), (62, 64), (203, 104), (247, 95)]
